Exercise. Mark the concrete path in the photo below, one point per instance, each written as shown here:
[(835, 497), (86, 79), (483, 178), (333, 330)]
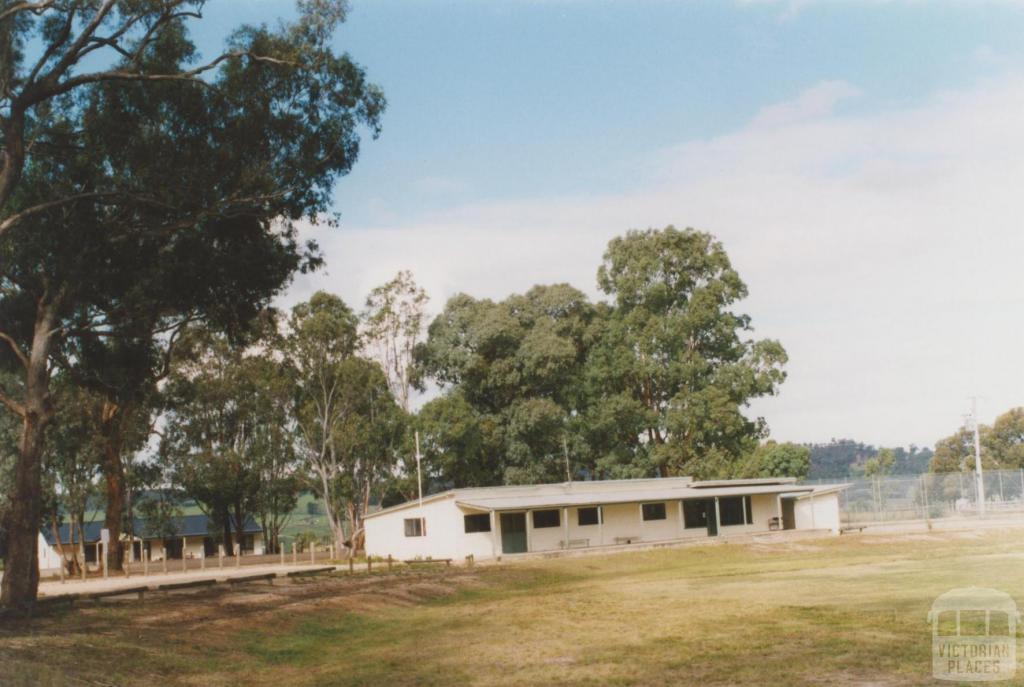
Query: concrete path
[(99, 584)]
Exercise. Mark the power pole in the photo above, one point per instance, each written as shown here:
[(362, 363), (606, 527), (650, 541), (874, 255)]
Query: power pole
[(565, 451), (979, 475), (419, 473)]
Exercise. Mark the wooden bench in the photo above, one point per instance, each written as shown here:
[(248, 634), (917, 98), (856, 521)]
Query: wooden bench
[(626, 540), (851, 528), (241, 579), (415, 561), (96, 596), (170, 586), (311, 571), (575, 544)]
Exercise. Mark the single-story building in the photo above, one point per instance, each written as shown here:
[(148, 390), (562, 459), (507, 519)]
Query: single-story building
[(489, 522), (192, 539)]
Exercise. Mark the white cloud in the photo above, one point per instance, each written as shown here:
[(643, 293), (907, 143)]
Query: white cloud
[(813, 103), (884, 250)]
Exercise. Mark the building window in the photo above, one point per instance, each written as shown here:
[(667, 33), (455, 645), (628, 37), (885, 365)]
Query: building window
[(735, 510), (478, 522), (589, 516), (653, 511), (546, 518), (415, 527), (695, 513)]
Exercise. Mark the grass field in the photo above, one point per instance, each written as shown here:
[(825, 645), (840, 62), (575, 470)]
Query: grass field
[(844, 611)]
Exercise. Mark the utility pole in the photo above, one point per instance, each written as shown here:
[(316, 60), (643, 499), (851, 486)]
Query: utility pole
[(979, 475), (565, 450), (419, 473)]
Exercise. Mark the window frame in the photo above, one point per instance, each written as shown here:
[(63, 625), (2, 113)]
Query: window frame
[(653, 507), (484, 518), (545, 513), (598, 516), (412, 531), (736, 511)]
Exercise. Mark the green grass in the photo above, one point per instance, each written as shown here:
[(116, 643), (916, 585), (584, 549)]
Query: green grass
[(848, 610)]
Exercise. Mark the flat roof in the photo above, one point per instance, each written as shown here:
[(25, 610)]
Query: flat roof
[(598, 492), (647, 495)]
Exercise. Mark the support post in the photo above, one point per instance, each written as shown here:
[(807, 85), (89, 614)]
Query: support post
[(351, 565), (389, 562), (280, 550), (184, 553), (145, 560), (529, 528), (312, 552), (295, 553), (565, 526), (238, 555), (494, 533), (106, 550), (332, 552), (220, 556)]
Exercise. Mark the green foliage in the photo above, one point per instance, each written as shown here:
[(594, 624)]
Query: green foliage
[(349, 426), (228, 433), (515, 370), (880, 465), (1005, 440), (653, 383), (392, 327), (772, 459), (673, 346), (161, 513), (846, 458)]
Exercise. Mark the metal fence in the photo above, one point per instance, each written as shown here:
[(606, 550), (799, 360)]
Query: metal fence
[(930, 495)]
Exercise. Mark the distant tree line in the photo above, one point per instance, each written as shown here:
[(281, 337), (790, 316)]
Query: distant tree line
[(1001, 446), (846, 458)]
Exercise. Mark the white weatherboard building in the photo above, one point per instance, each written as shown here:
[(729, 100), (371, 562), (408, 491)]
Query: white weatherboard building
[(490, 522)]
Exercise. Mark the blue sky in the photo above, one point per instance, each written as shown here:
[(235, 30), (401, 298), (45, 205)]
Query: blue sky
[(861, 161), (493, 100)]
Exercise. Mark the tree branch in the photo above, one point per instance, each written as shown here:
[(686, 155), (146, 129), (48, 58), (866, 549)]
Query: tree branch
[(15, 407), (22, 358), (36, 7)]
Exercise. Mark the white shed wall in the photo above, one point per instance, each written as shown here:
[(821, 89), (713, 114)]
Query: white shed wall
[(825, 514), (385, 534)]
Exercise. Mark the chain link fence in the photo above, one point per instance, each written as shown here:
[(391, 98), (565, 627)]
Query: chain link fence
[(930, 495)]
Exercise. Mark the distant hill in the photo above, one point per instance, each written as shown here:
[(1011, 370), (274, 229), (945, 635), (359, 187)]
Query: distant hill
[(845, 458)]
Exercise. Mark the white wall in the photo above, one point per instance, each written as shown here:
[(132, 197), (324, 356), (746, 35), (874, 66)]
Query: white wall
[(49, 559), (825, 513), (385, 534)]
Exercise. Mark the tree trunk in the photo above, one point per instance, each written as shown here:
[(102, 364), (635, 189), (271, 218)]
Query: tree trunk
[(111, 422), (21, 569), (239, 528)]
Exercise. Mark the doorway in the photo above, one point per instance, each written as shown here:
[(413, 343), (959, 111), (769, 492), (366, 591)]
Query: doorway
[(513, 532), (789, 514), (712, 517)]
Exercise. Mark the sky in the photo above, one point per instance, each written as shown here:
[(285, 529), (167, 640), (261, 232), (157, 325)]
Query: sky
[(862, 163)]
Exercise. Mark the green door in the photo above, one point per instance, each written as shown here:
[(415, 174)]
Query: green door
[(513, 532)]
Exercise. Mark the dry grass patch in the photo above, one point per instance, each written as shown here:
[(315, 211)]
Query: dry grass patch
[(844, 611)]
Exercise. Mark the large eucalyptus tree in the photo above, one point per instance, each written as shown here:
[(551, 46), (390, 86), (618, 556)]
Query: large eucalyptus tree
[(151, 190)]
